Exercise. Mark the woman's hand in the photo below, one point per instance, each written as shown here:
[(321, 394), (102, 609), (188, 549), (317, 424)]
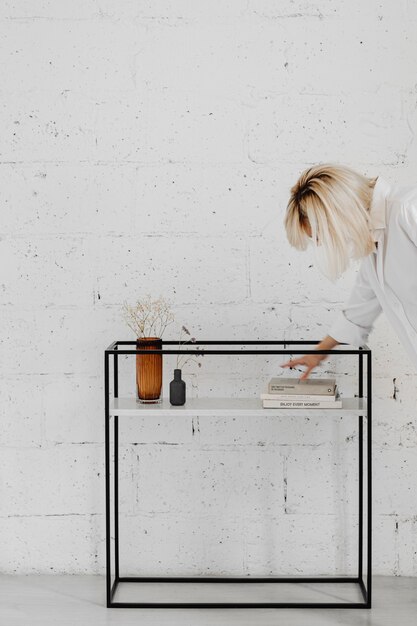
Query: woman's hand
[(309, 360), (312, 360)]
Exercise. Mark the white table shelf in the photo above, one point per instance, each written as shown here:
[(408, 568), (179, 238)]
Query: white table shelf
[(228, 407)]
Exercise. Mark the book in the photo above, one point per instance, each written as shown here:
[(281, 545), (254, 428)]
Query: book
[(310, 386), (301, 396), (302, 404)]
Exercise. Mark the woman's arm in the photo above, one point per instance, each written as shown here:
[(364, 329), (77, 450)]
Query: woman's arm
[(352, 324), (408, 220), (354, 321)]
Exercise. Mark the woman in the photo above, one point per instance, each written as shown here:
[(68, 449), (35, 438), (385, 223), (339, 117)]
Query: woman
[(346, 215)]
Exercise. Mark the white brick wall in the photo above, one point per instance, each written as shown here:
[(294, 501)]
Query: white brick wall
[(150, 147)]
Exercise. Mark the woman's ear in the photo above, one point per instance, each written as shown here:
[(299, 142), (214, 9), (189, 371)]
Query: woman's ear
[(307, 228)]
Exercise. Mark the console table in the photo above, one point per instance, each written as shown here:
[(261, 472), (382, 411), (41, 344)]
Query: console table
[(358, 407)]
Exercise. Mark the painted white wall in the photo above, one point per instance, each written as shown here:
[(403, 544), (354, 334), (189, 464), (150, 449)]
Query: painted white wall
[(150, 147)]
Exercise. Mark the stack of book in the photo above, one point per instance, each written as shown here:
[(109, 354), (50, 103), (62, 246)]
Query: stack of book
[(293, 393)]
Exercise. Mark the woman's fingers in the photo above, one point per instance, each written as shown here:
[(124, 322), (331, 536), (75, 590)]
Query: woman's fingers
[(306, 374), (293, 362), (302, 361)]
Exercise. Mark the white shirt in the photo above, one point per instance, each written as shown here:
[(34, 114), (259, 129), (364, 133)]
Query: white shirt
[(387, 277)]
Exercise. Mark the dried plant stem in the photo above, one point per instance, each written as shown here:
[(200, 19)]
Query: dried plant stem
[(164, 323), (190, 358), (179, 346)]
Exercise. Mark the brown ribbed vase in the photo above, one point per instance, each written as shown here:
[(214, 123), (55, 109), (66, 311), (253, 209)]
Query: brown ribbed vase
[(149, 370)]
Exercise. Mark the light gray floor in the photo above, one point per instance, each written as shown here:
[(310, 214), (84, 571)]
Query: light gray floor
[(79, 601)]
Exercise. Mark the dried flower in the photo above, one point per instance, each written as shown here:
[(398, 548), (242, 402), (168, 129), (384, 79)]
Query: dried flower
[(148, 317), (180, 357)]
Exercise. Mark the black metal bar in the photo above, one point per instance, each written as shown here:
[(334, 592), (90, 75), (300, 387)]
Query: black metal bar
[(227, 352), (369, 486), (226, 342), (113, 591), (360, 477), (363, 590), (115, 373), (116, 470), (107, 472), (233, 342), (360, 513), (238, 605), (238, 579)]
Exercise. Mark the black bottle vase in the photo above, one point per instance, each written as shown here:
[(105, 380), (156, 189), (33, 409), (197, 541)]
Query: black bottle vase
[(177, 389)]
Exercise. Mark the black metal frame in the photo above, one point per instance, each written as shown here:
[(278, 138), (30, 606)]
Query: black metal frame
[(116, 349)]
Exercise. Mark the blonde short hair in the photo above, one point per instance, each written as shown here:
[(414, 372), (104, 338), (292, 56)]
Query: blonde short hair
[(334, 200)]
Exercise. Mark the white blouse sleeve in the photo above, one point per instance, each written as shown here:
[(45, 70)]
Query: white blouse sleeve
[(408, 220), (355, 319)]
